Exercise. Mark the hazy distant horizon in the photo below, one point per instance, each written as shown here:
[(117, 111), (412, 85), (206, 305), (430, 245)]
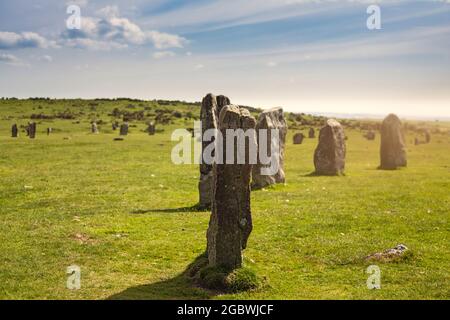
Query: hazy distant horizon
[(326, 113)]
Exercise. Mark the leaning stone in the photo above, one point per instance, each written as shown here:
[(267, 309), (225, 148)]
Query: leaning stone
[(231, 222), (312, 133), (268, 120), (393, 150), (298, 138), (329, 157)]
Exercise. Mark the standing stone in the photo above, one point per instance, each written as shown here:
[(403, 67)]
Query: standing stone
[(230, 224), (14, 131), (427, 136), (393, 150), (329, 157), (32, 130), (94, 128), (298, 138), (124, 129), (49, 130), (268, 120), (209, 113), (370, 135), (312, 133), (27, 129), (151, 129), (115, 126)]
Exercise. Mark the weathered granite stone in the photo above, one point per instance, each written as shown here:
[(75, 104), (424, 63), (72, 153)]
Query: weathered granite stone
[(370, 135), (14, 131), (124, 129), (393, 150), (231, 222), (312, 133), (49, 131), (298, 138), (151, 129), (329, 157), (94, 128), (268, 120), (209, 113), (32, 130)]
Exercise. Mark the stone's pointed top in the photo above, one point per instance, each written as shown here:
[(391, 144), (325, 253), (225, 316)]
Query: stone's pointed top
[(333, 123), (392, 117)]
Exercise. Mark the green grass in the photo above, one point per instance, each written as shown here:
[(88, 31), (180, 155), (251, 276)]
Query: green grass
[(122, 212)]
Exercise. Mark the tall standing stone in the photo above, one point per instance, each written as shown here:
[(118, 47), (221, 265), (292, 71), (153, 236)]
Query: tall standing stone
[(312, 133), (14, 131), (49, 131), (32, 130), (231, 221), (329, 157), (124, 129), (298, 138), (393, 150), (209, 113), (268, 120)]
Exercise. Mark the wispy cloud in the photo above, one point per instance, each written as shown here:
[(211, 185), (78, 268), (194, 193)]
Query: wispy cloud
[(11, 60), (163, 54)]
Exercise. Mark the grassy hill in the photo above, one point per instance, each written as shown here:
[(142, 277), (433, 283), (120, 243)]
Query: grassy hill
[(123, 212)]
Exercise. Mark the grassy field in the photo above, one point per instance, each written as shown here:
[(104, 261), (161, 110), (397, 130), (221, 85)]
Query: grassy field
[(122, 212)]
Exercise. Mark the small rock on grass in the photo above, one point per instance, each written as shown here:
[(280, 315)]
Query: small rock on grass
[(389, 255)]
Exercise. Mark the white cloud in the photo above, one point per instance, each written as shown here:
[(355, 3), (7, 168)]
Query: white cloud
[(163, 54), (272, 64), (118, 32), (12, 40)]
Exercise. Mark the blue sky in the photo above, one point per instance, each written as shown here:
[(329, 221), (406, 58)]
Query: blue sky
[(304, 55)]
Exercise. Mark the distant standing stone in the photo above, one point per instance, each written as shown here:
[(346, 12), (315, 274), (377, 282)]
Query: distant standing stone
[(268, 120), (124, 129), (230, 224), (393, 150), (49, 130), (312, 133), (298, 138), (151, 129), (427, 136), (329, 157), (14, 131), (32, 130), (94, 128), (209, 113), (370, 135)]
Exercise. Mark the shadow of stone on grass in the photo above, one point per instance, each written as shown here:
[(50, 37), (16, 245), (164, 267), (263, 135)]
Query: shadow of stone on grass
[(181, 287), (195, 208)]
